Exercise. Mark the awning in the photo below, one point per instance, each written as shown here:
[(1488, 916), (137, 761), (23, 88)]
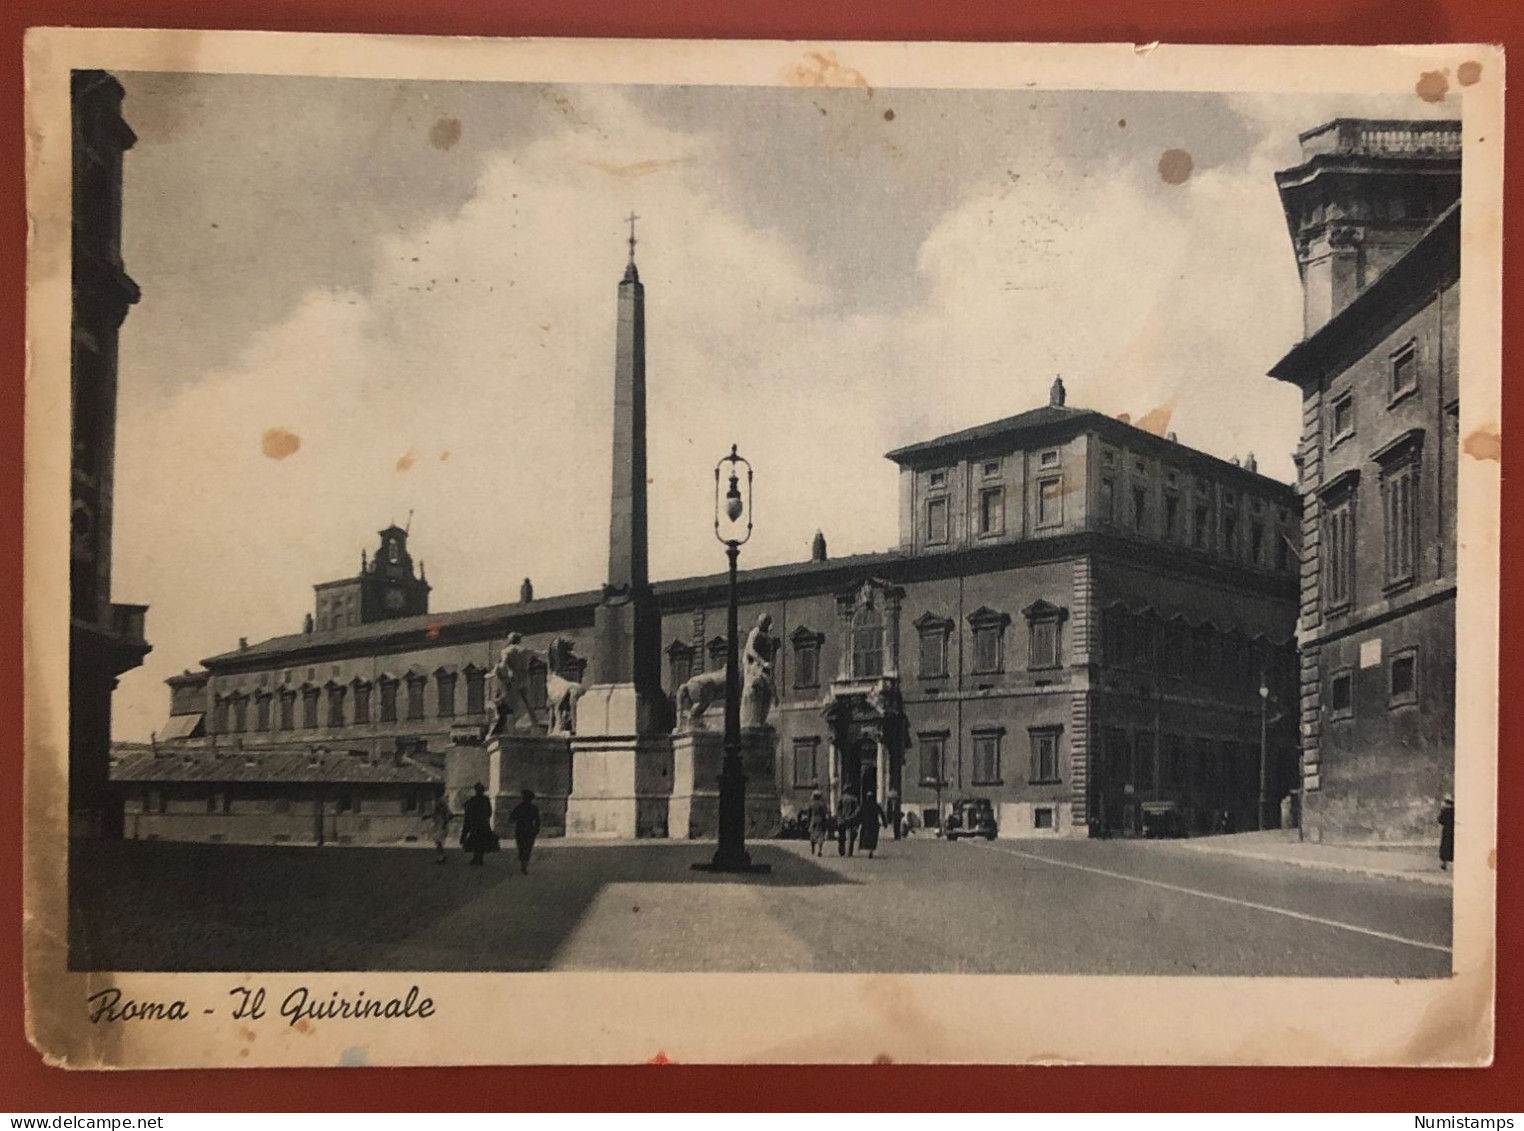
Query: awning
[(182, 726)]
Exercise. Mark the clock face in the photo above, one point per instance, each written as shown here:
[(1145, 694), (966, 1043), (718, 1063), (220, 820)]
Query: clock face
[(393, 599)]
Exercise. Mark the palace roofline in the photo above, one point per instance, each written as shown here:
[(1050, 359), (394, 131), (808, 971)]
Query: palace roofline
[(762, 583), (1056, 420)]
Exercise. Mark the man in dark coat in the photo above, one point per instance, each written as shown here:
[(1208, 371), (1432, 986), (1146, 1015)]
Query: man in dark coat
[(870, 819), (525, 819), (476, 835), (846, 825), (1446, 833)]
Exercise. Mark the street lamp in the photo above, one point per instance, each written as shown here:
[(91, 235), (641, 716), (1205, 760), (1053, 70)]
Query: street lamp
[(1264, 761), (732, 527)]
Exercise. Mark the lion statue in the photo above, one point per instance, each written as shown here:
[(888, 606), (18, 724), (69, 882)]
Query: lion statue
[(695, 696)]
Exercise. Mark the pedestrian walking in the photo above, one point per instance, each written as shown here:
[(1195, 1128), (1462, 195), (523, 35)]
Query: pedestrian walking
[(442, 818), (894, 814), (870, 819), (525, 819), (1446, 833), (846, 825), (818, 818), (476, 835)]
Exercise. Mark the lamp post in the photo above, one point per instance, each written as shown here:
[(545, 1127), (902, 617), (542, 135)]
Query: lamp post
[(1264, 761), (732, 527)]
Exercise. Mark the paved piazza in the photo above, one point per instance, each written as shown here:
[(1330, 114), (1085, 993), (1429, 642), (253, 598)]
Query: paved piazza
[(922, 905)]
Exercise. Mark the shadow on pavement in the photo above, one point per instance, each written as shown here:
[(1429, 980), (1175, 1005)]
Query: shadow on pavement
[(165, 906)]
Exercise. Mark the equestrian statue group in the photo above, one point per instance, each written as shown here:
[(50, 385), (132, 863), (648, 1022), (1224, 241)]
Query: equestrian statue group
[(513, 680)]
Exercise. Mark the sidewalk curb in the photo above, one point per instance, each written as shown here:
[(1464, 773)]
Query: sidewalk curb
[(1438, 879)]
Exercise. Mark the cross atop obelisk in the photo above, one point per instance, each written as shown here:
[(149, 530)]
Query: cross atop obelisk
[(630, 274)]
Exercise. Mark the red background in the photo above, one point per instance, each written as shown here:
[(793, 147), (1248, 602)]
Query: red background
[(26, 1084)]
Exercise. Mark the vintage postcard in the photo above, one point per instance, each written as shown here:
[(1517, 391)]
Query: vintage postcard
[(589, 551)]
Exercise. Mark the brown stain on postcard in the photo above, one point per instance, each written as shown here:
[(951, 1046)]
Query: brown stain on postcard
[(1469, 73), (1156, 420), (1485, 442), (445, 133), (1432, 86), (1175, 166), (407, 460), (636, 169), (822, 68), (278, 443)]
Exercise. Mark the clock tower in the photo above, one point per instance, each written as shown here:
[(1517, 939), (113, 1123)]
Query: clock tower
[(385, 588)]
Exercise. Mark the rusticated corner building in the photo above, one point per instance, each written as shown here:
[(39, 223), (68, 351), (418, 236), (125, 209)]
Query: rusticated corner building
[(105, 638), (1374, 215)]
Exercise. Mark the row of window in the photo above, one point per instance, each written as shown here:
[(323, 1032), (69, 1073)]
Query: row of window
[(1401, 684), (866, 644), (353, 704), (1400, 483), (1143, 642), (1401, 382), (1267, 545), (989, 513), (226, 803), (1153, 762), (986, 747)]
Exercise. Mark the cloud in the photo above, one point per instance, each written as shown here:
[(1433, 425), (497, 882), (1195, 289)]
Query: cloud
[(465, 375)]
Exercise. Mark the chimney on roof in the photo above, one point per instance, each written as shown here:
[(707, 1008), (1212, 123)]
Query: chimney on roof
[(526, 592), (243, 643), (1056, 393), (1172, 438), (363, 562), (1251, 463), (818, 548), (307, 624), (1235, 461)]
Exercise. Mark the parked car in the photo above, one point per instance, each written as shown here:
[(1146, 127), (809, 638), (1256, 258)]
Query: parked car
[(974, 817)]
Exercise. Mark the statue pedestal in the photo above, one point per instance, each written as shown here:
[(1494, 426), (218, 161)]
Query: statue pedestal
[(697, 758), (621, 787), (507, 764)]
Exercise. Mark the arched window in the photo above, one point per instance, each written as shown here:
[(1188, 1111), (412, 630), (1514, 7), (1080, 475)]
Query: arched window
[(867, 642)]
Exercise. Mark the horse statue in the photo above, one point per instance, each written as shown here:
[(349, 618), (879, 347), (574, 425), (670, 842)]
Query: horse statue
[(561, 694)]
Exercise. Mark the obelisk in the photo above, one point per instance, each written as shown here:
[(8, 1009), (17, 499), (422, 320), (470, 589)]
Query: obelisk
[(621, 758)]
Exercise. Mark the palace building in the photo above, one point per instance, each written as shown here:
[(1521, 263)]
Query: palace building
[(1088, 625), (1374, 216), (1085, 624)]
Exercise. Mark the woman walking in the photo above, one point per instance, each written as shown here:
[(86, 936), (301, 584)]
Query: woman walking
[(819, 822), (1446, 833), (870, 819)]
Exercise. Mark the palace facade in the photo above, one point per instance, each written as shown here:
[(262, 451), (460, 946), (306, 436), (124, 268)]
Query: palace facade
[(1374, 216), (1089, 625)]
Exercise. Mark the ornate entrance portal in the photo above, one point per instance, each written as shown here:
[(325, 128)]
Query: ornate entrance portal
[(866, 721)]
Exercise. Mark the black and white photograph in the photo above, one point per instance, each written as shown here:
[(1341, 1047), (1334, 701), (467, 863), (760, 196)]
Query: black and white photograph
[(958, 551)]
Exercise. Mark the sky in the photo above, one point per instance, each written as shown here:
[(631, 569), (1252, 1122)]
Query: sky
[(365, 299)]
